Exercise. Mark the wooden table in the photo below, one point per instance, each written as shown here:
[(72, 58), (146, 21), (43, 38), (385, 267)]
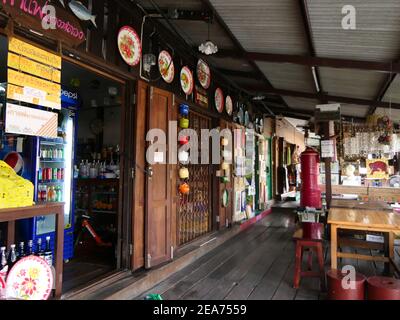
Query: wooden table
[(365, 205), (364, 220), (9, 216)]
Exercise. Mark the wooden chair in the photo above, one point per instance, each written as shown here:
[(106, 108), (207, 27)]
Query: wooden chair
[(311, 245)]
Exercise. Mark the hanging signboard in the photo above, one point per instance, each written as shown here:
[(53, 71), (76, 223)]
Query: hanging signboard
[(377, 169), (34, 68), (25, 80), (25, 49), (201, 96), (30, 14), (31, 122), (327, 112), (327, 149), (33, 96)]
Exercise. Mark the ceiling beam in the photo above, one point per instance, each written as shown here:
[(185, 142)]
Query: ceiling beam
[(236, 42), (340, 99), (382, 92), (307, 27), (238, 73)]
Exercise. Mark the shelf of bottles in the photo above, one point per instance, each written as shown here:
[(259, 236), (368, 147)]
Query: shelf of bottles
[(51, 172), (10, 256)]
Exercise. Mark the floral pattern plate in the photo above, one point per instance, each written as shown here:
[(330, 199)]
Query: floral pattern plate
[(219, 100), (229, 105), (30, 279), (129, 45), (166, 66), (187, 81), (203, 74)]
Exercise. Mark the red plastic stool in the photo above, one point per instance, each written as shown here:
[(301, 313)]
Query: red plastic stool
[(383, 288), (336, 290), (311, 244)]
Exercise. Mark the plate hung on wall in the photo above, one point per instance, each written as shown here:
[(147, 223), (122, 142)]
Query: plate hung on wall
[(203, 74), (228, 105), (129, 46), (219, 100), (187, 81), (166, 66), (241, 116)]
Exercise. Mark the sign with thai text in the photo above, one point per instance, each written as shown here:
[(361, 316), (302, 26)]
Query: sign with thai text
[(30, 121), (30, 14)]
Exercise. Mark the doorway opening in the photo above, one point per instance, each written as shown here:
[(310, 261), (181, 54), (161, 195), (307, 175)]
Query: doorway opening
[(96, 103)]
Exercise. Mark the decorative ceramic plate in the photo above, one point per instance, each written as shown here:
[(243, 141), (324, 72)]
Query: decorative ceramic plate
[(166, 66), (241, 116), (30, 279), (187, 81), (229, 105), (203, 74), (219, 100), (129, 45), (225, 198)]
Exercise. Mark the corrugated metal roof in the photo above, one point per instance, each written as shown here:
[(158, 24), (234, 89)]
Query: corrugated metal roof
[(351, 83), (273, 26), (301, 103), (393, 93), (288, 76), (196, 32), (178, 4), (377, 29), (230, 63)]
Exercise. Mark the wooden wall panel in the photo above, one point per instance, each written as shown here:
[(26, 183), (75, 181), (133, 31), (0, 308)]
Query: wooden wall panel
[(97, 34)]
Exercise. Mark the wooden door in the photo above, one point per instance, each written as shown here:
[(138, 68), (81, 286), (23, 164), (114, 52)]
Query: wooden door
[(158, 183)]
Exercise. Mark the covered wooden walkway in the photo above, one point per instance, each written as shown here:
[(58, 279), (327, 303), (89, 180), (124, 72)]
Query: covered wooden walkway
[(256, 264)]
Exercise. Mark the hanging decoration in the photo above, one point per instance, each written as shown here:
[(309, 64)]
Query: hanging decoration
[(203, 74), (129, 45), (187, 81), (166, 66), (219, 100), (228, 105)]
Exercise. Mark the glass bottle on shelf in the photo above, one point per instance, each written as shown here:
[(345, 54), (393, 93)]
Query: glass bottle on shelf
[(48, 254), (30, 248), (39, 250), (3, 258), (12, 257)]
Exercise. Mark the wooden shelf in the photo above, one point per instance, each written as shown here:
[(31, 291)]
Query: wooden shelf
[(9, 216)]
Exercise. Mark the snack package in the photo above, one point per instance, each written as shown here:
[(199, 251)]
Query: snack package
[(15, 191)]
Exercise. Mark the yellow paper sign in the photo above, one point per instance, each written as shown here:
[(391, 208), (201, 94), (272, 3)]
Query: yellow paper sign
[(34, 68), (33, 96), (25, 80), (32, 52)]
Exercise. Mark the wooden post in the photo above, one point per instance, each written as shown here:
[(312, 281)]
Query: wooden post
[(327, 161)]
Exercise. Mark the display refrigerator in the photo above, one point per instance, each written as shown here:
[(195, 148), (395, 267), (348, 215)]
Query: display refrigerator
[(54, 181)]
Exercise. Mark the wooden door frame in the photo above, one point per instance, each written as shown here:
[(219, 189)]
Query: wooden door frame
[(126, 126)]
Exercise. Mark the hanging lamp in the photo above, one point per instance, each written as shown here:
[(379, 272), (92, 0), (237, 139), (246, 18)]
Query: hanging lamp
[(208, 47)]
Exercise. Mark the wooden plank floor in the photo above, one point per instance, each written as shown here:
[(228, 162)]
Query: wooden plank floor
[(256, 264)]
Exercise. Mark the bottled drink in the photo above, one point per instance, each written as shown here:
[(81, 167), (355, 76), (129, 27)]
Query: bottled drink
[(50, 153), (44, 194), (44, 153), (59, 194), (21, 252), (30, 248), (40, 175), (59, 174), (3, 258), (55, 174), (62, 154), (76, 172), (48, 254), (12, 257), (39, 251), (62, 173)]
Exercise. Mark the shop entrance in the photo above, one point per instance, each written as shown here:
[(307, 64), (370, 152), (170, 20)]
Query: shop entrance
[(97, 104)]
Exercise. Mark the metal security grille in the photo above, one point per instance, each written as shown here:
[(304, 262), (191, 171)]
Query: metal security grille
[(194, 210)]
